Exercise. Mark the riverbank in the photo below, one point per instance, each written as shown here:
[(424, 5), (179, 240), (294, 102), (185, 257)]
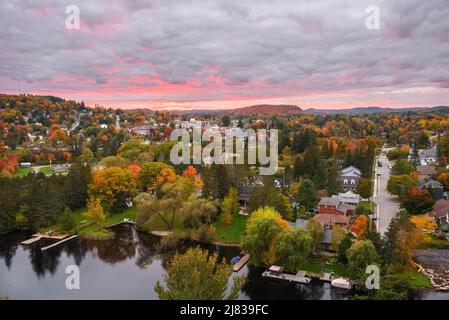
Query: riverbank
[(93, 231)]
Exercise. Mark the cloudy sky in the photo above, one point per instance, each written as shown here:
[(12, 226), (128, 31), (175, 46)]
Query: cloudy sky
[(165, 54)]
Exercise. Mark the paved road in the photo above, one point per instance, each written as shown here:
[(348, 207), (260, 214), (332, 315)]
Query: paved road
[(387, 204)]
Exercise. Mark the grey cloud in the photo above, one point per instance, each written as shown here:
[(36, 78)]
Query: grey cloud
[(316, 43)]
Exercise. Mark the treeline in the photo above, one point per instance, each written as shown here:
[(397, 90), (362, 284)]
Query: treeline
[(37, 201)]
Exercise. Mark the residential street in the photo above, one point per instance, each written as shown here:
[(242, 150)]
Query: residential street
[(386, 203)]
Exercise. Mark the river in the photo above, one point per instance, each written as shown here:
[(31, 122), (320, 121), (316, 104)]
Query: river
[(126, 267)]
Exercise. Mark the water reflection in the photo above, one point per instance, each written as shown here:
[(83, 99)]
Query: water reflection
[(126, 267)]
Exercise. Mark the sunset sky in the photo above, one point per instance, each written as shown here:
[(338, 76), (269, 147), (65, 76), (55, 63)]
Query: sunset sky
[(189, 54)]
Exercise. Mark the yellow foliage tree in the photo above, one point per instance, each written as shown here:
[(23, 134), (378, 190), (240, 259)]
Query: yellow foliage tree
[(94, 211)]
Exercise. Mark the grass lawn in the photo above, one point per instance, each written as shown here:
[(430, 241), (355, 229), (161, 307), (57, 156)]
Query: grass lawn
[(233, 232), (417, 279), (366, 205), (46, 170), (317, 268), (88, 229), (22, 172)]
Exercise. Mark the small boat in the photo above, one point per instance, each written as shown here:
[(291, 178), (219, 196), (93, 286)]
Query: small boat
[(341, 283), (235, 260)]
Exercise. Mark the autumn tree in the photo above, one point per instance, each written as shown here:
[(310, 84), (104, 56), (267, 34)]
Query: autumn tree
[(114, 185), (262, 229), (417, 201), (115, 161), (230, 206), (149, 173), (132, 149), (197, 275), (361, 226), (94, 212)]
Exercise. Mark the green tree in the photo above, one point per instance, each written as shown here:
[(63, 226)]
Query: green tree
[(293, 247), (68, 222), (344, 246), (402, 167), (226, 120), (197, 275), (306, 194), (400, 185), (338, 234), (76, 185), (166, 209), (365, 188), (332, 177), (316, 230), (361, 254), (400, 239), (261, 231)]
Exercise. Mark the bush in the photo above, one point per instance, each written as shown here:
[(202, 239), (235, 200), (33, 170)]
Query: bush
[(21, 221), (204, 233)]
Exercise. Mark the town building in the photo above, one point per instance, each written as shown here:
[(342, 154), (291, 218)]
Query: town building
[(341, 204), (434, 187), (425, 172), (330, 221), (441, 211), (349, 178), (428, 156)]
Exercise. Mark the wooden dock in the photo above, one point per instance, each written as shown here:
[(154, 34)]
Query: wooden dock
[(299, 277), (59, 242), (326, 277), (239, 265), (38, 236)]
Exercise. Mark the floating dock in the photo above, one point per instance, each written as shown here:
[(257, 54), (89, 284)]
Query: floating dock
[(38, 236), (326, 277), (299, 277), (59, 242), (239, 265)]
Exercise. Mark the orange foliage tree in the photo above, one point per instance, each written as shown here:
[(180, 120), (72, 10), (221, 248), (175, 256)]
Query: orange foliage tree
[(360, 226)]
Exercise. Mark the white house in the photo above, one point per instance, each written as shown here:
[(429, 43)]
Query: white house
[(349, 178)]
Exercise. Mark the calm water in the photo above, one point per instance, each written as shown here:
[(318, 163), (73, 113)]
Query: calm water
[(124, 268)]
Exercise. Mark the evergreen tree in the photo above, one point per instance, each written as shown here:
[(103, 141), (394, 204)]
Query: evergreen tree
[(320, 178), (76, 186)]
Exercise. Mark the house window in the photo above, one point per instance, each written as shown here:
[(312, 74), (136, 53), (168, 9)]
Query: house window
[(352, 181), (345, 181)]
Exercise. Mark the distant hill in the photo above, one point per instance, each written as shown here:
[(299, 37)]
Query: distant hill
[(145, 111), (267, 109), (437, 109)]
